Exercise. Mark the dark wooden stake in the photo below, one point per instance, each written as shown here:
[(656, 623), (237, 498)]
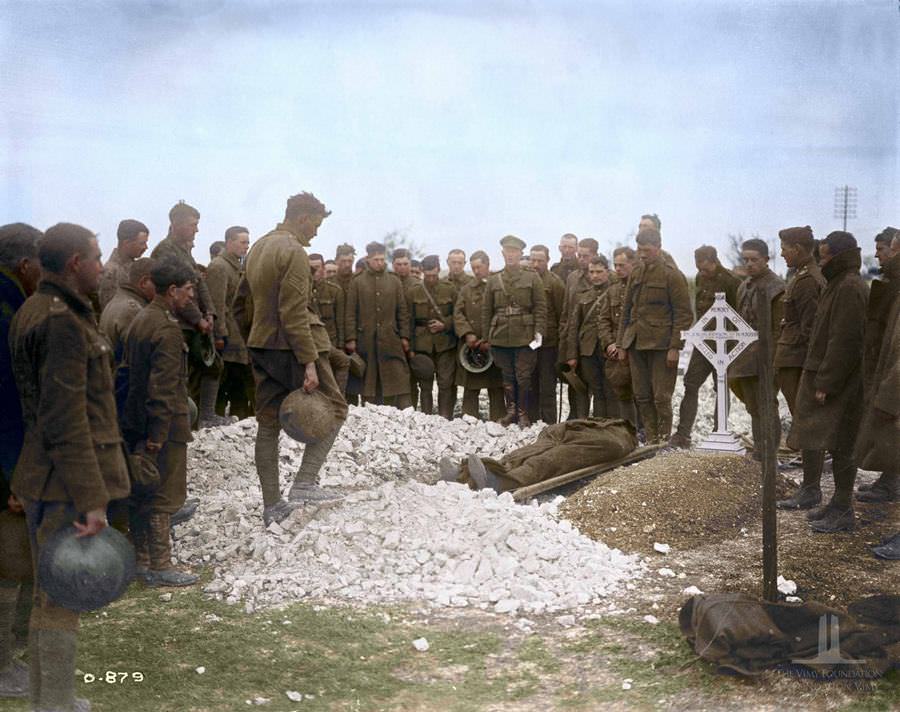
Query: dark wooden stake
[(768, 411)]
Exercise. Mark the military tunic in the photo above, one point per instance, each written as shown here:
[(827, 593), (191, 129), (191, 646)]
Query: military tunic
[(545, 378), (117, 316), (467, 319), (564, 268), (440, 347), (618, 373), (115, 274), (656, 310), (377, 318), (328, 301), (799, 301), (584, 340)]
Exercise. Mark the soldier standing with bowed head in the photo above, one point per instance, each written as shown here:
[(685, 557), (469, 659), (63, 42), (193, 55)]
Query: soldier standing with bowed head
[(73, 463), (829, 406), (543, 405), (656, 310), (132, 237), (289, 349), (515, 315)]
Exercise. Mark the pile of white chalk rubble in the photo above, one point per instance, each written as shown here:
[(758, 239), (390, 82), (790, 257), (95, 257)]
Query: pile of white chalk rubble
[(395, 535)]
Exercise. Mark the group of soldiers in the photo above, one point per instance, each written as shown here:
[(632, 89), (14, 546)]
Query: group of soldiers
[(100, 410)]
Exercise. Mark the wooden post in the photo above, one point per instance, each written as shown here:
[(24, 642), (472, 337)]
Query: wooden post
[(767, 411)]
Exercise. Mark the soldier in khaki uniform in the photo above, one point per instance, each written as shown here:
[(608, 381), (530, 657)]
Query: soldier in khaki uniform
[(344, 257), (223, 276), (617, 371), (456, 269), (568, 259), (577, 284), (430, 304), (289, 349), (712, 277), (73, 461), (515, 312), (401, 266), (584, 340), (543, 404), (155, 420), (330, 270), (328, 302), (657, 309), (131, 296), (799, 302), (132, 238), (198, 317), (467, 321), (760, 285), (377, 328)]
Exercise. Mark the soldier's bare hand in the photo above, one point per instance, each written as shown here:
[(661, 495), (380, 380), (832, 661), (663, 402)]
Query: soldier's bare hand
[(94, 523), (350, 346), (612, 350), (435, 326), (820, 397), (311, 378), (404, 343), (471, 340), (672, 358), (204, 326), (14, 504), (573, 362), (484, 346), (621, 354)]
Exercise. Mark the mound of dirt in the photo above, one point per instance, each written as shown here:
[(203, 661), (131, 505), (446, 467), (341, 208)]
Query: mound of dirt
[(684, 499)]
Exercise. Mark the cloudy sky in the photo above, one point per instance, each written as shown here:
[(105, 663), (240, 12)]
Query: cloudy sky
[(457, 122)]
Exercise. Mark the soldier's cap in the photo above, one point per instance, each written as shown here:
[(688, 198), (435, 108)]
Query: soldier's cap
[(512, 241), (568, 374), (797, 236), (431, 262), (422, 367), (306, 417)]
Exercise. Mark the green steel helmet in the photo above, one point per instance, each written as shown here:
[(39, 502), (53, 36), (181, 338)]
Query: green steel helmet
[(474, 360), (86, 573), (306, 417), (422, 367)]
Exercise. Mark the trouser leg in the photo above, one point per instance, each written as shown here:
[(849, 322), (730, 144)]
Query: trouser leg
[(572, 396), (698, 371), (266, 458), (813, 463), (340, 367), (496, 405), (663, 379), (445, 370), (470, 402), (171, 493), (525, 363), (844, 469), (504, 358), (9, 594), (641, 384), (426, 395), (789, 384)]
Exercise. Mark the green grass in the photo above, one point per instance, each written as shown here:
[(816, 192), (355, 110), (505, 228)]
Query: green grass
[(349, 659)]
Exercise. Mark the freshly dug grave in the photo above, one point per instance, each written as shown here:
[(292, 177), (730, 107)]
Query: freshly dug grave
[(683, 499)]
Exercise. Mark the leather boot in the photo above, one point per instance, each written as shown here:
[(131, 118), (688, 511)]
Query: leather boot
[(446, 402), (13, 674), (426, 398), (139, 533), (810, 493), (266, 457), (305, 487), (449, 470), (162, 572), (509, 397), (209, 391), (835, 519), (884, 489), (56, 649), (481, 476)]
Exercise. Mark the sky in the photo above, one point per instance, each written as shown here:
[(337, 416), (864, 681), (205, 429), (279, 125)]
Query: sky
[(453, 122)]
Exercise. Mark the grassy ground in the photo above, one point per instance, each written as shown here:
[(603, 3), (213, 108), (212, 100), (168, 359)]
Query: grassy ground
[(342, 658)]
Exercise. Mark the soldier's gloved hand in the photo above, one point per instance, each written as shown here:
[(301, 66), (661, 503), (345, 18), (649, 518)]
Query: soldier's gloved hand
[(311, 378), (94, 523)]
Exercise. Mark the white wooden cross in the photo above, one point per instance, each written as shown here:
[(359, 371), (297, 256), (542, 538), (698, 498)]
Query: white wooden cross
[(742, 335)]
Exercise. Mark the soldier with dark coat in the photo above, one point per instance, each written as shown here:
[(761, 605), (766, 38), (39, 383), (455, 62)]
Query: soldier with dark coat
[(430, 304), (760, 286), (223, 277), (155, 420), (344, 258), (656, 310), (577, 283), (468, 324), (883, 299), (328, 302), (19, 274), (617, 371), (545, 378), (800, 300), (401, 266), (829, 404), (584, 340), (131, 296), (568, 261), (132, 238), (73, 461), (289, 350), (712, 277), (377, 328), (198, 317), (515, 312)]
